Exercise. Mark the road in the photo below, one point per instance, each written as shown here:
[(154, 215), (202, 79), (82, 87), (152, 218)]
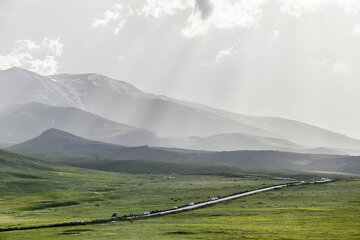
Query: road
[(224, 199)]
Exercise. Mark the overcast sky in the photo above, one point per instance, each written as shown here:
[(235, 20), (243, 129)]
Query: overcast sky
[(298, 59)]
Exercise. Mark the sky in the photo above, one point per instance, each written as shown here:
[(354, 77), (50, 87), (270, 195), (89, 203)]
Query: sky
[(297, 59)]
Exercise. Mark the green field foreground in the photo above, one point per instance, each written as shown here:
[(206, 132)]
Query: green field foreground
[(329, 211)]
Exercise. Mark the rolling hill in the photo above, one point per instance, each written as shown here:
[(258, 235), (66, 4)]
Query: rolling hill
[(21, 175)]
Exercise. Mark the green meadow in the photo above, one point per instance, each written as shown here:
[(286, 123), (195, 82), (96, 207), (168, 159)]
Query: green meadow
[(34, 192), (330, 211)]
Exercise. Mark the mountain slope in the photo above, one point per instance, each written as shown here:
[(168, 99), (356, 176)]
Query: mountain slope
[(19, 86), (237, 141), (136, 108), (21, 175), (54, 140), (122, 102), (22, 122)]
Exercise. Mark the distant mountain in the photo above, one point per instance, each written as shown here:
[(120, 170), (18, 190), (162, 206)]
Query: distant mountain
[(18, 86), (237, 141), (69, 149), (122, 102), (57, 141), (21, 122)]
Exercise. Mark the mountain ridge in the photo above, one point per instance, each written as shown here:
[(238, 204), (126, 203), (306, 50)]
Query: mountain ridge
[(66, 148), (162, 115)]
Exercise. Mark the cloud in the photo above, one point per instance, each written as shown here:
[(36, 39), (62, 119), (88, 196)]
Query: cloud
[(117, 12), (297, 8), (156, 8), (224, 14), (159, 8), (205, 14), (351, 7), (109, 15), (341, 68), (225, 52), (38, 57)]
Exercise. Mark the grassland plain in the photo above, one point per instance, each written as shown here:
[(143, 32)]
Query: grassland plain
[(34, 192), (330, 211)]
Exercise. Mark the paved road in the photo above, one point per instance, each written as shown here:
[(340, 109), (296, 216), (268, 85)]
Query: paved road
[(204, 204)]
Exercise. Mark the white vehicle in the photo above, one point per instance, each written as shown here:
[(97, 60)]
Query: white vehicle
[(175, 207), (80, 222), (191, 204), (145, 213), (71, 222), (214, 198)]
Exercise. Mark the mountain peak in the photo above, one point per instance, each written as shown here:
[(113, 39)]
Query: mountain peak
[(19, 70), (54, 132)]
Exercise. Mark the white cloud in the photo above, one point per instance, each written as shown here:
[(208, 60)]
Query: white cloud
[(158, 8), (297, 8), (117, 12), (225, 14), (225, 53), (351, 7), (109, 15), (38, 57), (206, 13), (341, 68)]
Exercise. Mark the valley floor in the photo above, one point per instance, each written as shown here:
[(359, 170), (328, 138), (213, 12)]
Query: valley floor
[(329, 211)]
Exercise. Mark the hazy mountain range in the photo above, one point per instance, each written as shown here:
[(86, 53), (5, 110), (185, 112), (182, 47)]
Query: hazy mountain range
[(66, 148), (96, 107)]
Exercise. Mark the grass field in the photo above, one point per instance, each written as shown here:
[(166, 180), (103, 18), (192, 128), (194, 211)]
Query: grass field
[(34, 192), (330, 211)]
